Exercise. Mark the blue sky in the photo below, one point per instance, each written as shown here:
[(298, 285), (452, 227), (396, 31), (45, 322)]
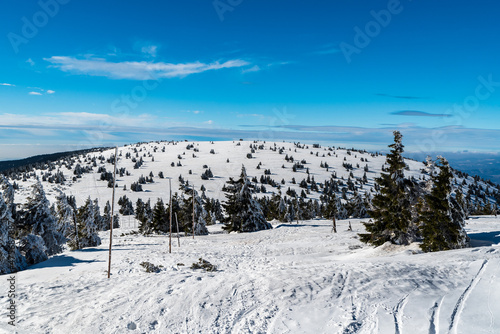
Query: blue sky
[(80, 74)]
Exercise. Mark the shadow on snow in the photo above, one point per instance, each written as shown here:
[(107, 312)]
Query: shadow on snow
[(484, 239)]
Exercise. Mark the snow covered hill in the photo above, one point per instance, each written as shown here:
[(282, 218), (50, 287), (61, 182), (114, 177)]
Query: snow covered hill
[(224, 159), (298, 277), (291, 279)]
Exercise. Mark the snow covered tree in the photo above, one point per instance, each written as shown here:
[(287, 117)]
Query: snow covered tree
[(392, 206), (8, 194), (87, 227), (39, 220), (243, 211), (6, 239), (66, 223), (33, 248), (200, 214), (99, 221), (442, 218), (106, 218), (214, 209), (357, 206), (11, 259)]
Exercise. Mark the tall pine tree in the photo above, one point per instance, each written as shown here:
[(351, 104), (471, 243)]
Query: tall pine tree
[(243, 211), (442, 218), (392, 205), (39, 220)]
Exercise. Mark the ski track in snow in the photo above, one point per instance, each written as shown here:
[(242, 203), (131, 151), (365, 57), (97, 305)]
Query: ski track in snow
[(457, 311), (285, 280), (398, 314), (434, 320)]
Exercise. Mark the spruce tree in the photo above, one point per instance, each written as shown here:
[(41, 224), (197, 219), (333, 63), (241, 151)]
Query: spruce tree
[(87, 227), (392, 205), (106, 218), (144, 214), (39, 220), (200, 214), (243, 211), (66, 216), (160, 217), (6, 240), (33, 248), (11, 259), (442, 218)]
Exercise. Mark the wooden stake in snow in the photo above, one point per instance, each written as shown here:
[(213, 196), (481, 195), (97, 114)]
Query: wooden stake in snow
[(178, 236), (334, 226), (76, 231), (170, 205), (112, 213), (193, 211)]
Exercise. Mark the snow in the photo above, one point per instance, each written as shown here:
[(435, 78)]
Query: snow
[(295, 278)]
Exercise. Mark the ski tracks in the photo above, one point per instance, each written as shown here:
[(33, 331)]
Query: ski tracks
[(457, 311), (434, 320), (398, 314)]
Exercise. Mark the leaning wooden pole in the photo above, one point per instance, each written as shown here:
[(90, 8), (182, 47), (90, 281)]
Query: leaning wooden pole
[(170, 220), (178, 236), (193, 211), (112, 214)]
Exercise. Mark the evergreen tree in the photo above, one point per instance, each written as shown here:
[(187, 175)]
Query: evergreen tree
[(11, 259), (99, 220), (144, 214), (33, 248), (357, 206), (392, 206), (6, 240), (87, 227), (243, 212), (8, 194), (39, 220), (160, 217), (106, 218), (442, 220), (66, 216), (200, 214)]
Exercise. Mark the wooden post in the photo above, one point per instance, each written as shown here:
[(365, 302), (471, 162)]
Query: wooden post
[(170, 220), (193, 211), (178, 236), (76, 230), (334, 225), (112, 214)]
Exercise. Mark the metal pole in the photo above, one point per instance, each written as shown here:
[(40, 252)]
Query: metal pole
[(170, 205), (112, 214)]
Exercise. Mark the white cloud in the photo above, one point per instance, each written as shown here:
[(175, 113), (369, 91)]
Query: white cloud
[(150, 50), (50, 91), (135, 70), (209, 122), (255, 68), (7, 84), (30, 61), (35, 93)]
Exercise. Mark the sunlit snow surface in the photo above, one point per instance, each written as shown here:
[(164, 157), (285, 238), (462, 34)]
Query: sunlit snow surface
[(296, 278)]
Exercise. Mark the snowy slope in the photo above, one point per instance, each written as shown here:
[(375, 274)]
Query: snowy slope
[(292, 279), (236, 151)]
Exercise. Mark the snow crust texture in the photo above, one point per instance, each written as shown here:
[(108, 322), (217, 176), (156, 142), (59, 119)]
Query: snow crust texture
[(295, 278)]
